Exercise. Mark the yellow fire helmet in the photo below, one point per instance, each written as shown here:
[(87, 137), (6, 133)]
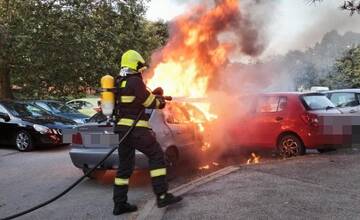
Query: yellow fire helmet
[(132, 60)]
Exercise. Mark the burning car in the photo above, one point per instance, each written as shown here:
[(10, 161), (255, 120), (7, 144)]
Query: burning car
[(177, 135), (289, 123)]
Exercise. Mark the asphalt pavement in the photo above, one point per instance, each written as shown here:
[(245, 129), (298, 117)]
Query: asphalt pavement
[(30, 178), (316, 186), (27, 179)]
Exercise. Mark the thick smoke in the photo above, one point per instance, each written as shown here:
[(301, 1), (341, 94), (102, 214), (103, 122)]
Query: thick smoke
[(240, 34)]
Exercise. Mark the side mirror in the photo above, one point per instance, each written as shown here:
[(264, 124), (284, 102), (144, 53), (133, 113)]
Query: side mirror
[(5, 116)]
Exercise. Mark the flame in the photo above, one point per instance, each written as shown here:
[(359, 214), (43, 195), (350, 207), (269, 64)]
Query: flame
[(206, 167), (253, 159), (192, 59), (205, 146), (215, 164)]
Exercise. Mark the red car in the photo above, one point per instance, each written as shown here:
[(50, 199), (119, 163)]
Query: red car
[(289, 123)]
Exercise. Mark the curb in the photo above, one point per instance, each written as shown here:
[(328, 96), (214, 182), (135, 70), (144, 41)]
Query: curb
[(150, 210)]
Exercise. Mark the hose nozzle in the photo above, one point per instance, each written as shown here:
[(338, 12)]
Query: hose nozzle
[(168, 98)]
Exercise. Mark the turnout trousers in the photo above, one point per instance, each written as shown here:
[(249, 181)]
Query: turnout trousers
[(143, 140)]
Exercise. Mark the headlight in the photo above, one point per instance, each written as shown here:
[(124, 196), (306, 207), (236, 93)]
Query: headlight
[(40, 128)]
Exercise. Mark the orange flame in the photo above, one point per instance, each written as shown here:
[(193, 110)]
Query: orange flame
[(206, 167), (253, 159), (188, 65)]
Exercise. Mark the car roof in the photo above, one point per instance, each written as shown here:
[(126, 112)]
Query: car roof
[(40, 100), (92, 99), (343, 90), (292, 94)]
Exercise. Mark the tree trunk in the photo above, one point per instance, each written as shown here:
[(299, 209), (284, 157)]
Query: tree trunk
[(5, 85)]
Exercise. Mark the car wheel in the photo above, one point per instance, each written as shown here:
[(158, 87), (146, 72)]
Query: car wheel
[(290, 145), (171, 159), (171, 156), (23, 141), (326, 150)]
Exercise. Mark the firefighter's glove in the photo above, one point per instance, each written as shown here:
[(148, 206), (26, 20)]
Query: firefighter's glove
[(162, 102), (158, 91)]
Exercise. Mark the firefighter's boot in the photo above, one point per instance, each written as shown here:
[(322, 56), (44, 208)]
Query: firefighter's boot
[(167, 199), (121, 208)]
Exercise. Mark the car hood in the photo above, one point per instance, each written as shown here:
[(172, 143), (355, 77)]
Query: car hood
[(50, 121)]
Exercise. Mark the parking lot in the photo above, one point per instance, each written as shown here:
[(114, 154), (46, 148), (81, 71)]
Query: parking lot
[(30, 178)]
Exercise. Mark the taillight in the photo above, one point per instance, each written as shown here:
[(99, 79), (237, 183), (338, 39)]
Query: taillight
[(77, 139), (310, 119)]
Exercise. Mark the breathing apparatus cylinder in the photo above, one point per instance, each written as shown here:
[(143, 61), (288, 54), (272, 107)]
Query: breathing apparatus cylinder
[(107, 95)]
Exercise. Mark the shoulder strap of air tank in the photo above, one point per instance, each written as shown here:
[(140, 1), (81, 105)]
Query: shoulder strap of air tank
[(118, 81)]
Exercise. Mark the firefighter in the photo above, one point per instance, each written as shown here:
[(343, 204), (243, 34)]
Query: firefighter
[(132, 97)]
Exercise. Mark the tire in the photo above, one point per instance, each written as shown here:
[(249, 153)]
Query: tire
[(326, 150), (290, 145), (23, 141), (171, 156), (171, 159)]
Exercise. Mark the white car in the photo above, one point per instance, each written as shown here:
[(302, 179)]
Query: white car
[(346, 100)]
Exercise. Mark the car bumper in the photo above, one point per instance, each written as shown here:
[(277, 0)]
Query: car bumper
[(89, 157), (46, 139), (326, 141)]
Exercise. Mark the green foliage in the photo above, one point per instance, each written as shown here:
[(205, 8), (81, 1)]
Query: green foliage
[(346, 72), (59, 48)]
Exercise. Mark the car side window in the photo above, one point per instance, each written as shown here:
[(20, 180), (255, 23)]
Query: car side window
[(43, 105), (174, 114), (344, 99), (86, 105), (282, 104), (267, 104), (75, 105), (3, 110)]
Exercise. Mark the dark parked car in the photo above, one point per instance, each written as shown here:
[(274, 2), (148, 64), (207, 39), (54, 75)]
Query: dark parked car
[(346, 100), (25, 125), (290, 123), (61, 109)]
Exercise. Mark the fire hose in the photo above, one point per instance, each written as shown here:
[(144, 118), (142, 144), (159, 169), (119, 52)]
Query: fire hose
[(77, 182)]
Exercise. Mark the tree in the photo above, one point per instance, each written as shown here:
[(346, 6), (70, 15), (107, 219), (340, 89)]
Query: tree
[(351, 6), (346, 72), (5, 17), (59, 48)]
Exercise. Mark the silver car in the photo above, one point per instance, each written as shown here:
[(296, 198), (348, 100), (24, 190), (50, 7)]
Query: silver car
[(346, 100), (177, 135)]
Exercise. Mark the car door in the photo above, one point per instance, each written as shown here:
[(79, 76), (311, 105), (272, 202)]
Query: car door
[(7, 129), (179, 125), (241, 126), (268, 120)]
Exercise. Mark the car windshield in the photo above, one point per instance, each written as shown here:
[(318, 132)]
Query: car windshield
[(317, 102), (58, 107), (25, 110)]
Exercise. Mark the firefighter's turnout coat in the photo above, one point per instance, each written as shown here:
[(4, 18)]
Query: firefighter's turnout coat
[(131, 98)]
